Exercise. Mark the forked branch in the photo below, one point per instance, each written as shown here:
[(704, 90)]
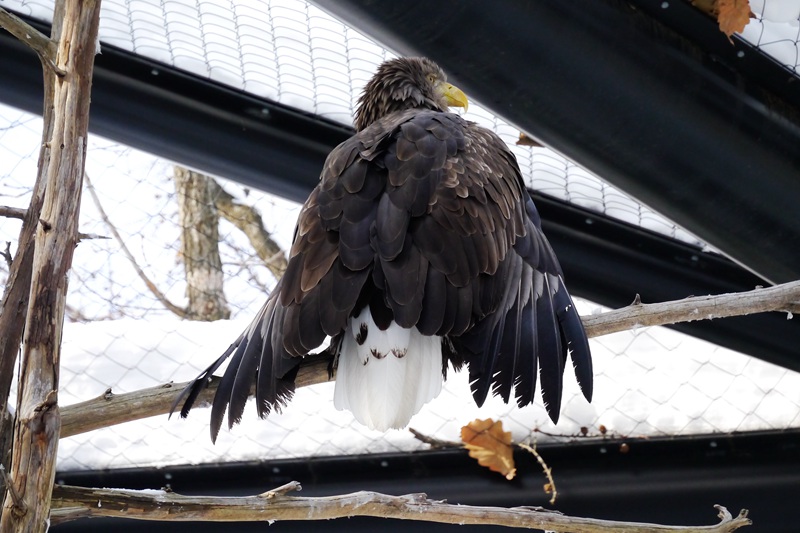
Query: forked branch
[(44, 47)]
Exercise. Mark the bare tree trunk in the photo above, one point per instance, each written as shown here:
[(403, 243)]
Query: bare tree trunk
[(199, 222), (27, 502), (12, 317), (15, 297)]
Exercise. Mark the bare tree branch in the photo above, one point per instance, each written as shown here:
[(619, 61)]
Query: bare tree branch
[(14, 306), (778, 298), (433, 442), (249, 221), (110, 409), (98, 413), (70, 503), (160, 296), (44, 47), (19, 213), (12, 212), (7, 254), (16, 499), (91, 237)]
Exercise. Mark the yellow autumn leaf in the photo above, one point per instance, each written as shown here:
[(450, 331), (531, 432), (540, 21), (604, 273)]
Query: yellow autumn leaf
[(490, 445)]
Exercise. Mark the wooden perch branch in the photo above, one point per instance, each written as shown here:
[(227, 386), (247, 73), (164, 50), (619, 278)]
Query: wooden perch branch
[(783, 297), (44, 47), (70, 503), (110, 409), (115, 409)]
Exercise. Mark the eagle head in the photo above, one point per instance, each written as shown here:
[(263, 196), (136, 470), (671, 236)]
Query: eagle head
[(406, 83)]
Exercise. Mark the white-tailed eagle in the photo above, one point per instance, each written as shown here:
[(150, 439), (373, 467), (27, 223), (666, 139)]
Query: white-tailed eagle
[(419, 247)]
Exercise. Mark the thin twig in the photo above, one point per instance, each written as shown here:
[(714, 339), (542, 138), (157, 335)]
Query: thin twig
[(282, 490), (160, 296), (7, 254), (19, 213), (70, 503), (16, 498), (551, 485), (433, 441), (91, 236), (44, 47)]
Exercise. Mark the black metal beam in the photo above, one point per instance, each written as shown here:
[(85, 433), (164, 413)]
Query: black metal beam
[(672, 481), (672, 119), (199, 123), (184, 118)]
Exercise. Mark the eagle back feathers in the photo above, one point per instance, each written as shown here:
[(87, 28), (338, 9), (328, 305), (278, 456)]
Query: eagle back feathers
[(421, 217)]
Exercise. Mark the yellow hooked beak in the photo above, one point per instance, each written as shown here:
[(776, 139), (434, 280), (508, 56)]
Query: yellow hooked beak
[(455, 97)]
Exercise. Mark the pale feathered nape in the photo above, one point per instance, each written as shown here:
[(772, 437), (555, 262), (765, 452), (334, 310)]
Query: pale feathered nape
[(385, 377)]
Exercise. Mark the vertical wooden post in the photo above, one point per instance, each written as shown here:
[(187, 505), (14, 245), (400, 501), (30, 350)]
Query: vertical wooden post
[(27, 504), (13, 309)]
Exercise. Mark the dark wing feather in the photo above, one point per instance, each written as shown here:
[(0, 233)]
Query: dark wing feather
[(523, 317), (551, 356), (247, 355)]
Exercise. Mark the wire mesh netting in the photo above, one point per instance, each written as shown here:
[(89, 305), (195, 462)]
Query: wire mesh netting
[(776, 31), (294, 53), (119, 335), (291, 52)]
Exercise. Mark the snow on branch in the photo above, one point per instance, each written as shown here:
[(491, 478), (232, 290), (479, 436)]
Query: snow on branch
[(70, 503), (110, 409)]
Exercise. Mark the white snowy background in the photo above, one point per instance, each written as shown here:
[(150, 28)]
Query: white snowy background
[(648, 382)]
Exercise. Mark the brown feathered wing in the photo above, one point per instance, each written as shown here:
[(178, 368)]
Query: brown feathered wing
[(424, 217)]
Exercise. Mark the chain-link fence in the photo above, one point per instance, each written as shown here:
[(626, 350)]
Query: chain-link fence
[(649, 382), (776, 31)]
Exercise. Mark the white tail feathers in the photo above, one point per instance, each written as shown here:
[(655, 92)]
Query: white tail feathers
[(385, 377)]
